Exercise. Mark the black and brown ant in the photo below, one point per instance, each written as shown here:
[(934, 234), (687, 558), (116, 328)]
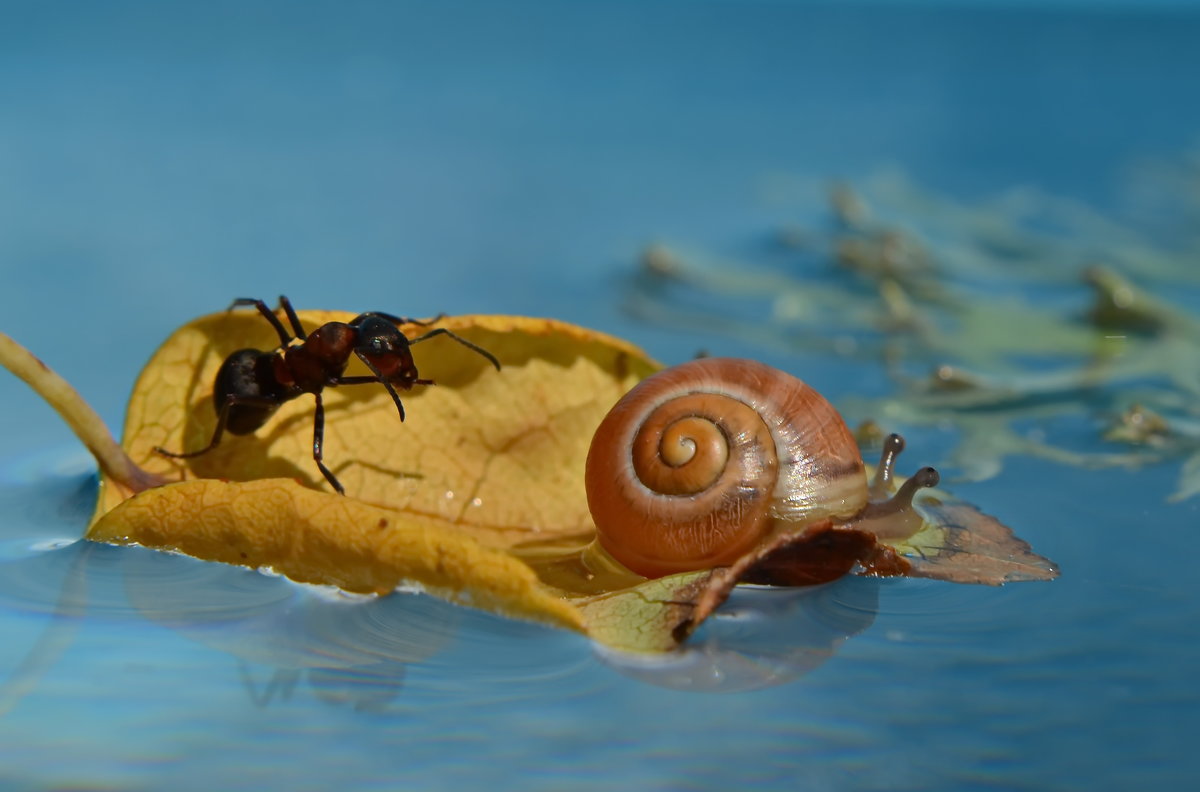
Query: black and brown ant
[(253, 383)]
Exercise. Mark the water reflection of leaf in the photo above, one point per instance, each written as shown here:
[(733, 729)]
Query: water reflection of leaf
[(919, 283), (353, 652), (59, 632)]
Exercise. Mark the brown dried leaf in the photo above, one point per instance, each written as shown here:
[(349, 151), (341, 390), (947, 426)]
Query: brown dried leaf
[(964, 545)]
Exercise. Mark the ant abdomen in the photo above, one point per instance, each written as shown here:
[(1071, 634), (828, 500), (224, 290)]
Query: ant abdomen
[(246, 390)]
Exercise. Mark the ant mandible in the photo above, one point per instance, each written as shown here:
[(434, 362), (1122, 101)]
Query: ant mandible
[(253, 383)]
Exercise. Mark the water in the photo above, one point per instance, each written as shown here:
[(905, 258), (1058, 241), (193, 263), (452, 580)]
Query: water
[(158, 161)]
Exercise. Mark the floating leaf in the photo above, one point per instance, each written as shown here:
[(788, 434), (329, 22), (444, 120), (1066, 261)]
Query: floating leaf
[(319, 537), (477, 497), (963, 545), (497, 454)]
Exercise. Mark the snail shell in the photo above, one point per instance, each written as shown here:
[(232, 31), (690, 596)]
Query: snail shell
[(696, 464)]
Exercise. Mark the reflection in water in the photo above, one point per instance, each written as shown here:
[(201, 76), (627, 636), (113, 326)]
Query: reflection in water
[(367, 688), (279, 686), (352, 651), (57, 635), (362, 688), (356, 652), (44, 499), (760, 637)]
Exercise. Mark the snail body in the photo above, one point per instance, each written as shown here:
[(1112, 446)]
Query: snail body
[(699, 463)]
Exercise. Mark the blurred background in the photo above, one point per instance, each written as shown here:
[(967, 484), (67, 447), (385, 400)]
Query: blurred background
[(158, 160)]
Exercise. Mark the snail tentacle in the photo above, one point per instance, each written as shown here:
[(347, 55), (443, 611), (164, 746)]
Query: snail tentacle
[(881, 485), (894, 517)]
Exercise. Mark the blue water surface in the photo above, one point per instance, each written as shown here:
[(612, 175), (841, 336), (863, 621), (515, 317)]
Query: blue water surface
[(157, 160)]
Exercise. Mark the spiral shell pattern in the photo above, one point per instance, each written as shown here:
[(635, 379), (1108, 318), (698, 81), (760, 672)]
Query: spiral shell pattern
[(695, 465)]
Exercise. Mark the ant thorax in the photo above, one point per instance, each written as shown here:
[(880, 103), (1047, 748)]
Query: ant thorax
[(319, 360)]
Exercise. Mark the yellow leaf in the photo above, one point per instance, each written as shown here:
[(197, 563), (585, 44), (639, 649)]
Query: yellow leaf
[(318, 537), (497, 454), (486, 462)]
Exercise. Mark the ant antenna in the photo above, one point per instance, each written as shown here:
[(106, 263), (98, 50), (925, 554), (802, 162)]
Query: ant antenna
[(443, 331)]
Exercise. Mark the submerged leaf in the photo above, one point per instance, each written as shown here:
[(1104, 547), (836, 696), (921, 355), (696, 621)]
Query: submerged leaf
[(654, 616)]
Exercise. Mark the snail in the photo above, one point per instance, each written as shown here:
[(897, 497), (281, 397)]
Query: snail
[(699, 463)]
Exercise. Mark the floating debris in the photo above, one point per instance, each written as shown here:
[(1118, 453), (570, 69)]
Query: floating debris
[(941, 295)]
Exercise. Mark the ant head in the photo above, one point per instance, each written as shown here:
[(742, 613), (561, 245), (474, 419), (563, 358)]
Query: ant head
[(379, 345), (386, 350)]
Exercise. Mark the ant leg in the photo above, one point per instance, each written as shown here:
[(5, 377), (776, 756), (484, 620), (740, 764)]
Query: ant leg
[(443, 331), (373, 381), (222, 417), (377, 378), (297, 328), (318, 439), (369, 380), (219, 432), (269, 315)]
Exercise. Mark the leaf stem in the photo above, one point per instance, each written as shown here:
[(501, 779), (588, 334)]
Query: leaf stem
[(83, 420)]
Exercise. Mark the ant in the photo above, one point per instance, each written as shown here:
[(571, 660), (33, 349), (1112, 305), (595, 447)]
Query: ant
[(252, 383)]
